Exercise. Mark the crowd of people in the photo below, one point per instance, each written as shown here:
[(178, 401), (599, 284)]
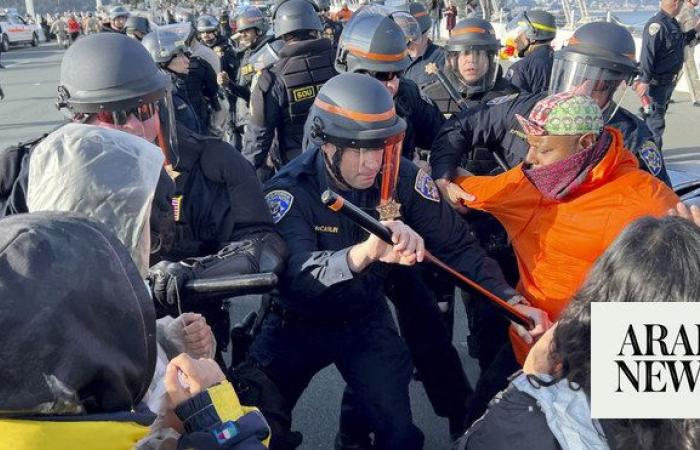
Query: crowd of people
[(201, 155)]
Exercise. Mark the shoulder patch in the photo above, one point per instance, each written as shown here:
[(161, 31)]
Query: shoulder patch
[(502, 99), (426, 187), (654, 28), (279, 202), (651, 155)]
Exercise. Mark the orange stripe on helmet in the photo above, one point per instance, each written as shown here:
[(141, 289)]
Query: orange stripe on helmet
[(421, 14), (458, 31), (376, 56), (355, 115)]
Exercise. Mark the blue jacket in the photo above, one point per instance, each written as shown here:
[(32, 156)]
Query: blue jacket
[(317, 282), (663, 42), (531, 74)]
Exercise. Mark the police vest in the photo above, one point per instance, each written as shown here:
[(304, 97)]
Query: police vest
[(246, 72), (302, 75)]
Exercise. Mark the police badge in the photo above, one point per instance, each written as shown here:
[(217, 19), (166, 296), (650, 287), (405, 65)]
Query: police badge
[(279, 202)]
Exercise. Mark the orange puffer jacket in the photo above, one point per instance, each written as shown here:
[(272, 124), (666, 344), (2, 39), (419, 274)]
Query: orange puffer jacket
[(557, 241)]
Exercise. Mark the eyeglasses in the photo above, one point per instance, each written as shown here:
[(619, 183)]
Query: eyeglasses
[(385, 76)]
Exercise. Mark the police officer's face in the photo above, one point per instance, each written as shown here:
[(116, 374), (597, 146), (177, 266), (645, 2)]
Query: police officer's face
[(248, 37), (180, 64), (472, 65), (547, 150), (118, 23), (359, 167)]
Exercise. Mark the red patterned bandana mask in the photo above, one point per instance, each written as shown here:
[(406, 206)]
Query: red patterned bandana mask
[(558, 180)]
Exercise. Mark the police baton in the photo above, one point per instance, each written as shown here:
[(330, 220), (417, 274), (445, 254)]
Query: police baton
[(432, 69), (338, 204), (236, 285)]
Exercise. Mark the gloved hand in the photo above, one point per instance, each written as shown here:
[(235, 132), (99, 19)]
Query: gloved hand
[(167, 279)]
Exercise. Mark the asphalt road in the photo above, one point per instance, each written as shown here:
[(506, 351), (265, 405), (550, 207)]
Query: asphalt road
[(30, 81)]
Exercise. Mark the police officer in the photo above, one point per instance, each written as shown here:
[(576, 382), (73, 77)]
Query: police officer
[(117, 20), (471, 67), (330, 307), (375, 44), (282, 95), (663, 45), (208, 207), (200, 81), (171, 55), (535, 31), (598, 61), (423, 51), (251, 26), (330, 28), (137, 27), (208, 34), (473, 70)]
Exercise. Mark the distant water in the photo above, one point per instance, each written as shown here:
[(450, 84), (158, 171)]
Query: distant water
[(636, 19)]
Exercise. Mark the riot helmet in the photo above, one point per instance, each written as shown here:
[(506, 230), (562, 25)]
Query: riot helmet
[(164, 45), (324, 8), (294, 16), (250, 18), (355, 114), (597, 61), (208, 30), (472, 50), (118, 16), (535, 25), (418, 11), (531, 27), (137, 27), (373, 44), (124, 89)]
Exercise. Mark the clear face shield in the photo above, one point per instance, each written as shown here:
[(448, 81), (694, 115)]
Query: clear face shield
[(605, 86), (472, 71), (208, 37), (518, 25)]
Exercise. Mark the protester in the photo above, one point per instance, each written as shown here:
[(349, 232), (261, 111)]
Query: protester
[(577, 189), (79, 349), (451, 17), (548, 405)]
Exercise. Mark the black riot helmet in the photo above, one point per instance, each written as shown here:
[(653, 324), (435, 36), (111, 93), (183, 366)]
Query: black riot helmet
[(124, 89), (251, 17), (208, 30), (372, 43), (471, 59), (118, 11), (536, 25), (418, 11), (137, 27), (354, 112), (293, 16), (163, 46), (597, 61)]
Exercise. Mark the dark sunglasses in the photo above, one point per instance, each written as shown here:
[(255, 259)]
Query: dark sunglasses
[(385, 76)]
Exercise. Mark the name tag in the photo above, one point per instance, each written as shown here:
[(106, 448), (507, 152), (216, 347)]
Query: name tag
[(325, 229)]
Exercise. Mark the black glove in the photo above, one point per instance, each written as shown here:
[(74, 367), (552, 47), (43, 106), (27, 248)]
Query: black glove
[(167, 279)]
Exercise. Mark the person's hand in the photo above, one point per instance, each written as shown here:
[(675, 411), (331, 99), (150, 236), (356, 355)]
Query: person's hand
[(454, 195), (641, 88), (222, 78), (422, 164), (197, 335), (166, 279), (692, 213), (541, 319), (537, 360), (408, 247), (186, 377)]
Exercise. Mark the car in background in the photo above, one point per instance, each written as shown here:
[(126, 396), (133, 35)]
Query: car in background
[(15, 30)]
